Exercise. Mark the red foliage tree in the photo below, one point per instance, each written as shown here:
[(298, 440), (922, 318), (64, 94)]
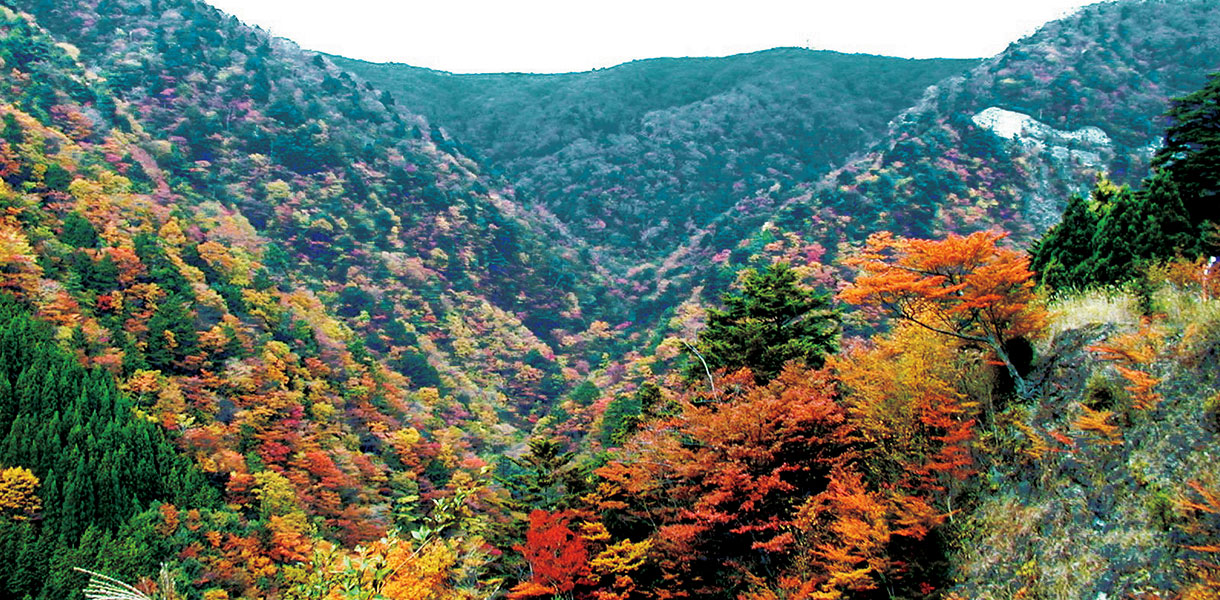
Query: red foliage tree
[(719, 484), (557, 556)]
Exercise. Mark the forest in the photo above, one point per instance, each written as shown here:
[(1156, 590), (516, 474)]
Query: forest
[(271, 328)]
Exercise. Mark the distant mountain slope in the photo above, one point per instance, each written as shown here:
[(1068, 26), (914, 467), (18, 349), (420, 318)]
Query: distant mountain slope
[(1004, 145), (1021, 132), (635, 157)]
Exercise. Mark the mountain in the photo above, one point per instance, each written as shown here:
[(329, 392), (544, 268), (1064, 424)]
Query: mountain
[(634, 158), (269, 331), (238, 285), (1002, 146), (357, 202), (796, 154)]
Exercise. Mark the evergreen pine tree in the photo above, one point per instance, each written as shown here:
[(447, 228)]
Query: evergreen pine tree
[(1061, 258), (772, 320), (1192, 150), (544, 476)]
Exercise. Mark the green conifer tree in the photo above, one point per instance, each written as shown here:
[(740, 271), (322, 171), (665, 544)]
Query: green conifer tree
[(1192, 150), (771, 321)]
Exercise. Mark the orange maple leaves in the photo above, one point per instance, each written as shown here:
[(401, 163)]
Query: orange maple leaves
[(967, 287), (557, 556), (1130, 350)]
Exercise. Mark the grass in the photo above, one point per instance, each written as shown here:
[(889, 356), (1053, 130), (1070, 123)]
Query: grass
[(1082, 518), (1094, 307)]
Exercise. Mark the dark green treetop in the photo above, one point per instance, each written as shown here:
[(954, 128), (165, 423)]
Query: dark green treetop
[(1192, 150), (1111, 236), (771, 321)]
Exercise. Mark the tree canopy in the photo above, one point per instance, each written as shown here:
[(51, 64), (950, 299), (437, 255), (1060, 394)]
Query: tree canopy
[(1108, 237), (771, 321), (1192, 150), (966, 287)]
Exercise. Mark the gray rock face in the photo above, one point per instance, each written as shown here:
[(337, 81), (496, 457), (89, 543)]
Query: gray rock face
[(1087, 144), (1052, 151)]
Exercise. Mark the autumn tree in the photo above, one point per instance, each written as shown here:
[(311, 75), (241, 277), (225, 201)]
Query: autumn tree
[(847, 534), (968, 288), (714, 488), (557, 556), (900, 394), (19, 493), (19, 270), (771, 321)]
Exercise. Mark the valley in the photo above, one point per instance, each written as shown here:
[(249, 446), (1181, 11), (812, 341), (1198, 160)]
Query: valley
[(788, 324)]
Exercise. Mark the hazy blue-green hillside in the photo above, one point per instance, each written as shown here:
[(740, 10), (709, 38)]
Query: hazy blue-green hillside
[(636, 157), (1002, 146)]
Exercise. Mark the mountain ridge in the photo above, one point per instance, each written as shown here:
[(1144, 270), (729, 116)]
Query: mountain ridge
[(543, 131)]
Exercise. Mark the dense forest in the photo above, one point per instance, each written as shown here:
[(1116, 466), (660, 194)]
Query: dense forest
[(709, 132), (788, 325)]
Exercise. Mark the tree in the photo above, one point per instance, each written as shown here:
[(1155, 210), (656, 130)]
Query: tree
[(545, 478), (1061, 258), (557, 556), (716, 488), (964, 287), (78, 231), (625, 414), (772, 321), (1192, 150), (18, 493), (171, 335), (899, 393), (1111, 236), (19, 271)]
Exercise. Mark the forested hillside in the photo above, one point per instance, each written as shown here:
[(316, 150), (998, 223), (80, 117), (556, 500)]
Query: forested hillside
[(267, 332), (634, 158), (322, 314), (1005, 144)]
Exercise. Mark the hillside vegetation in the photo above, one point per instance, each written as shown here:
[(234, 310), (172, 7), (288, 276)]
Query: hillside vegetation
[(267, 333), (1112, 67), (634, 158)]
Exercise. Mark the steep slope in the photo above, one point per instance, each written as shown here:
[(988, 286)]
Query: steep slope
[(323, 317), (1003, 146), (360, 205), (635, 157), (1082, 96), (1105, 486)]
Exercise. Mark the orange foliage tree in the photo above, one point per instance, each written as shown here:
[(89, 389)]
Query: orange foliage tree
[(716, 488), (557, 556), (850, 529), (900, 394), (967, 287)]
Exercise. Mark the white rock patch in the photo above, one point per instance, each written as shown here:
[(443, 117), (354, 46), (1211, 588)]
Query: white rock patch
[(1032, 132)]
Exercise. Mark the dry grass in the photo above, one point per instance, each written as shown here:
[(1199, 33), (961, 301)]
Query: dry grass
[(1091, 308), (1185, 307)]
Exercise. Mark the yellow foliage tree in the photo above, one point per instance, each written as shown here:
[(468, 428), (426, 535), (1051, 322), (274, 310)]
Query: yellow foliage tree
[(19, 493), (18, 270)]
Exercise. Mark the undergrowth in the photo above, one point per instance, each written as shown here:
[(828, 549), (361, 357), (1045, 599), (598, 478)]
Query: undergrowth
[(1100, 487)]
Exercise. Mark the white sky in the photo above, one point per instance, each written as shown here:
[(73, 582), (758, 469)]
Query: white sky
[(550, 36)]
